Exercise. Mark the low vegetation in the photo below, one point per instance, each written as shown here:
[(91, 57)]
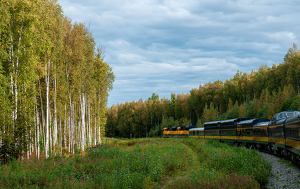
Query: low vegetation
[(143, 163), (224, 166)]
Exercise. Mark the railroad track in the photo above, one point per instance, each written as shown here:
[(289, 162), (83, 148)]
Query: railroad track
[(287, 158)]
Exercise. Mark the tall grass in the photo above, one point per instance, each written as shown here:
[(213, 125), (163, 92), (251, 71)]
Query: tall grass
[(102, 167), (143, 163), (225, 166)]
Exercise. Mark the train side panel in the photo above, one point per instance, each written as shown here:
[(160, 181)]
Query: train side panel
[(212, 130), (260, 135), (197, 133), (292, 132)]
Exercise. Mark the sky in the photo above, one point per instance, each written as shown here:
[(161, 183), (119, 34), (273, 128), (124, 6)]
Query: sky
[(172, 46)]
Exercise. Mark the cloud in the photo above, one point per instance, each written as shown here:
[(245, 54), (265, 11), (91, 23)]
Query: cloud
[(172, 46)]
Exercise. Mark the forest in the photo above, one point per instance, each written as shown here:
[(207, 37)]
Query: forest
[(259, 94), (54, 82)]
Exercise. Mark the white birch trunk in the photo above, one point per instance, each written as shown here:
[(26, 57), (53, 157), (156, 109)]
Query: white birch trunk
[(95, 133), (89, 124), (50, 133), (82, 122), (12, 75), (47, 111), (16, 70), (42, 131), (65, 126), (70, 128), (74, 130), (55, 116), (60, 133), (37, 134), (99, 117)]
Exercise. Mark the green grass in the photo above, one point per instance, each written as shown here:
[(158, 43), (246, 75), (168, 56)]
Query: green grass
[(224, 166), (143, 163)]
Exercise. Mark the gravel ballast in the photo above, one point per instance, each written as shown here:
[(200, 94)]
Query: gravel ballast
[(283, 173)]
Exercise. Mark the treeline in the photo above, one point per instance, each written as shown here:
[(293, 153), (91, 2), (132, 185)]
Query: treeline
[(54, 82), (261, 93)]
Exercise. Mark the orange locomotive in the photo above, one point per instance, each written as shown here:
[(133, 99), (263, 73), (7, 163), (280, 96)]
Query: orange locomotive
[(182, 131)]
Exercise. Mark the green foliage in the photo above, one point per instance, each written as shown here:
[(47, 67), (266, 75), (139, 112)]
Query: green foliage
[(233, 112), (290, 104), (211, 179), (142, 165), (250, 109), (156, 131), (225, 166), (199, 123), (169, 122), (262, 113), (221, 117), (40, 47)]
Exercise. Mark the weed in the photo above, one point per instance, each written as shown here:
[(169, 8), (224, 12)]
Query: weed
[(143, 163)]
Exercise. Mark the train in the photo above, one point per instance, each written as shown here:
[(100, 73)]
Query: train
[(280, 135)]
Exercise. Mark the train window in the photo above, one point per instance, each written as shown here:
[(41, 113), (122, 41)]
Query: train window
[(290, 114)]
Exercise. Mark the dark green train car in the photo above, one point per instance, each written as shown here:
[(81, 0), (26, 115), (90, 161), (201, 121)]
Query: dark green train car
[(228, 130), (245, 131), (261, 135), (292, 134), (197, 132), (212, 130)]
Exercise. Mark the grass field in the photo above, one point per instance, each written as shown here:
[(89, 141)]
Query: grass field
[(144, 163)]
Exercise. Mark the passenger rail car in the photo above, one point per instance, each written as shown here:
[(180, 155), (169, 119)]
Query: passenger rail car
[(212, 130), (281, 135), (228, 130), (245, 130), (197, 132), (260, 135)]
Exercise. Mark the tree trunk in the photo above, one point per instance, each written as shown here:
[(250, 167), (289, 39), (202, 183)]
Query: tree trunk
[(37, 134), (89, 124), (65, 126), (60, 133), (99, 118), (83, 122), (47, 111), (55, 116)]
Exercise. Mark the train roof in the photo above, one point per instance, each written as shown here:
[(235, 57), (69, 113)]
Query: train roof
[(211, 122), (292, 117), (260, 124), (197, 129), (235, 119), (253, 121), (285, 116), (174, 128), (292, 114)]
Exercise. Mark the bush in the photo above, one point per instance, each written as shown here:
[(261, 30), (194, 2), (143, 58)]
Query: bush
[(262, 113), (290, 104)]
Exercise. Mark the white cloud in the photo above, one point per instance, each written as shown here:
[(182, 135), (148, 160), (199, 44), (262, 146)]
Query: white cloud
[(173, 46)]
